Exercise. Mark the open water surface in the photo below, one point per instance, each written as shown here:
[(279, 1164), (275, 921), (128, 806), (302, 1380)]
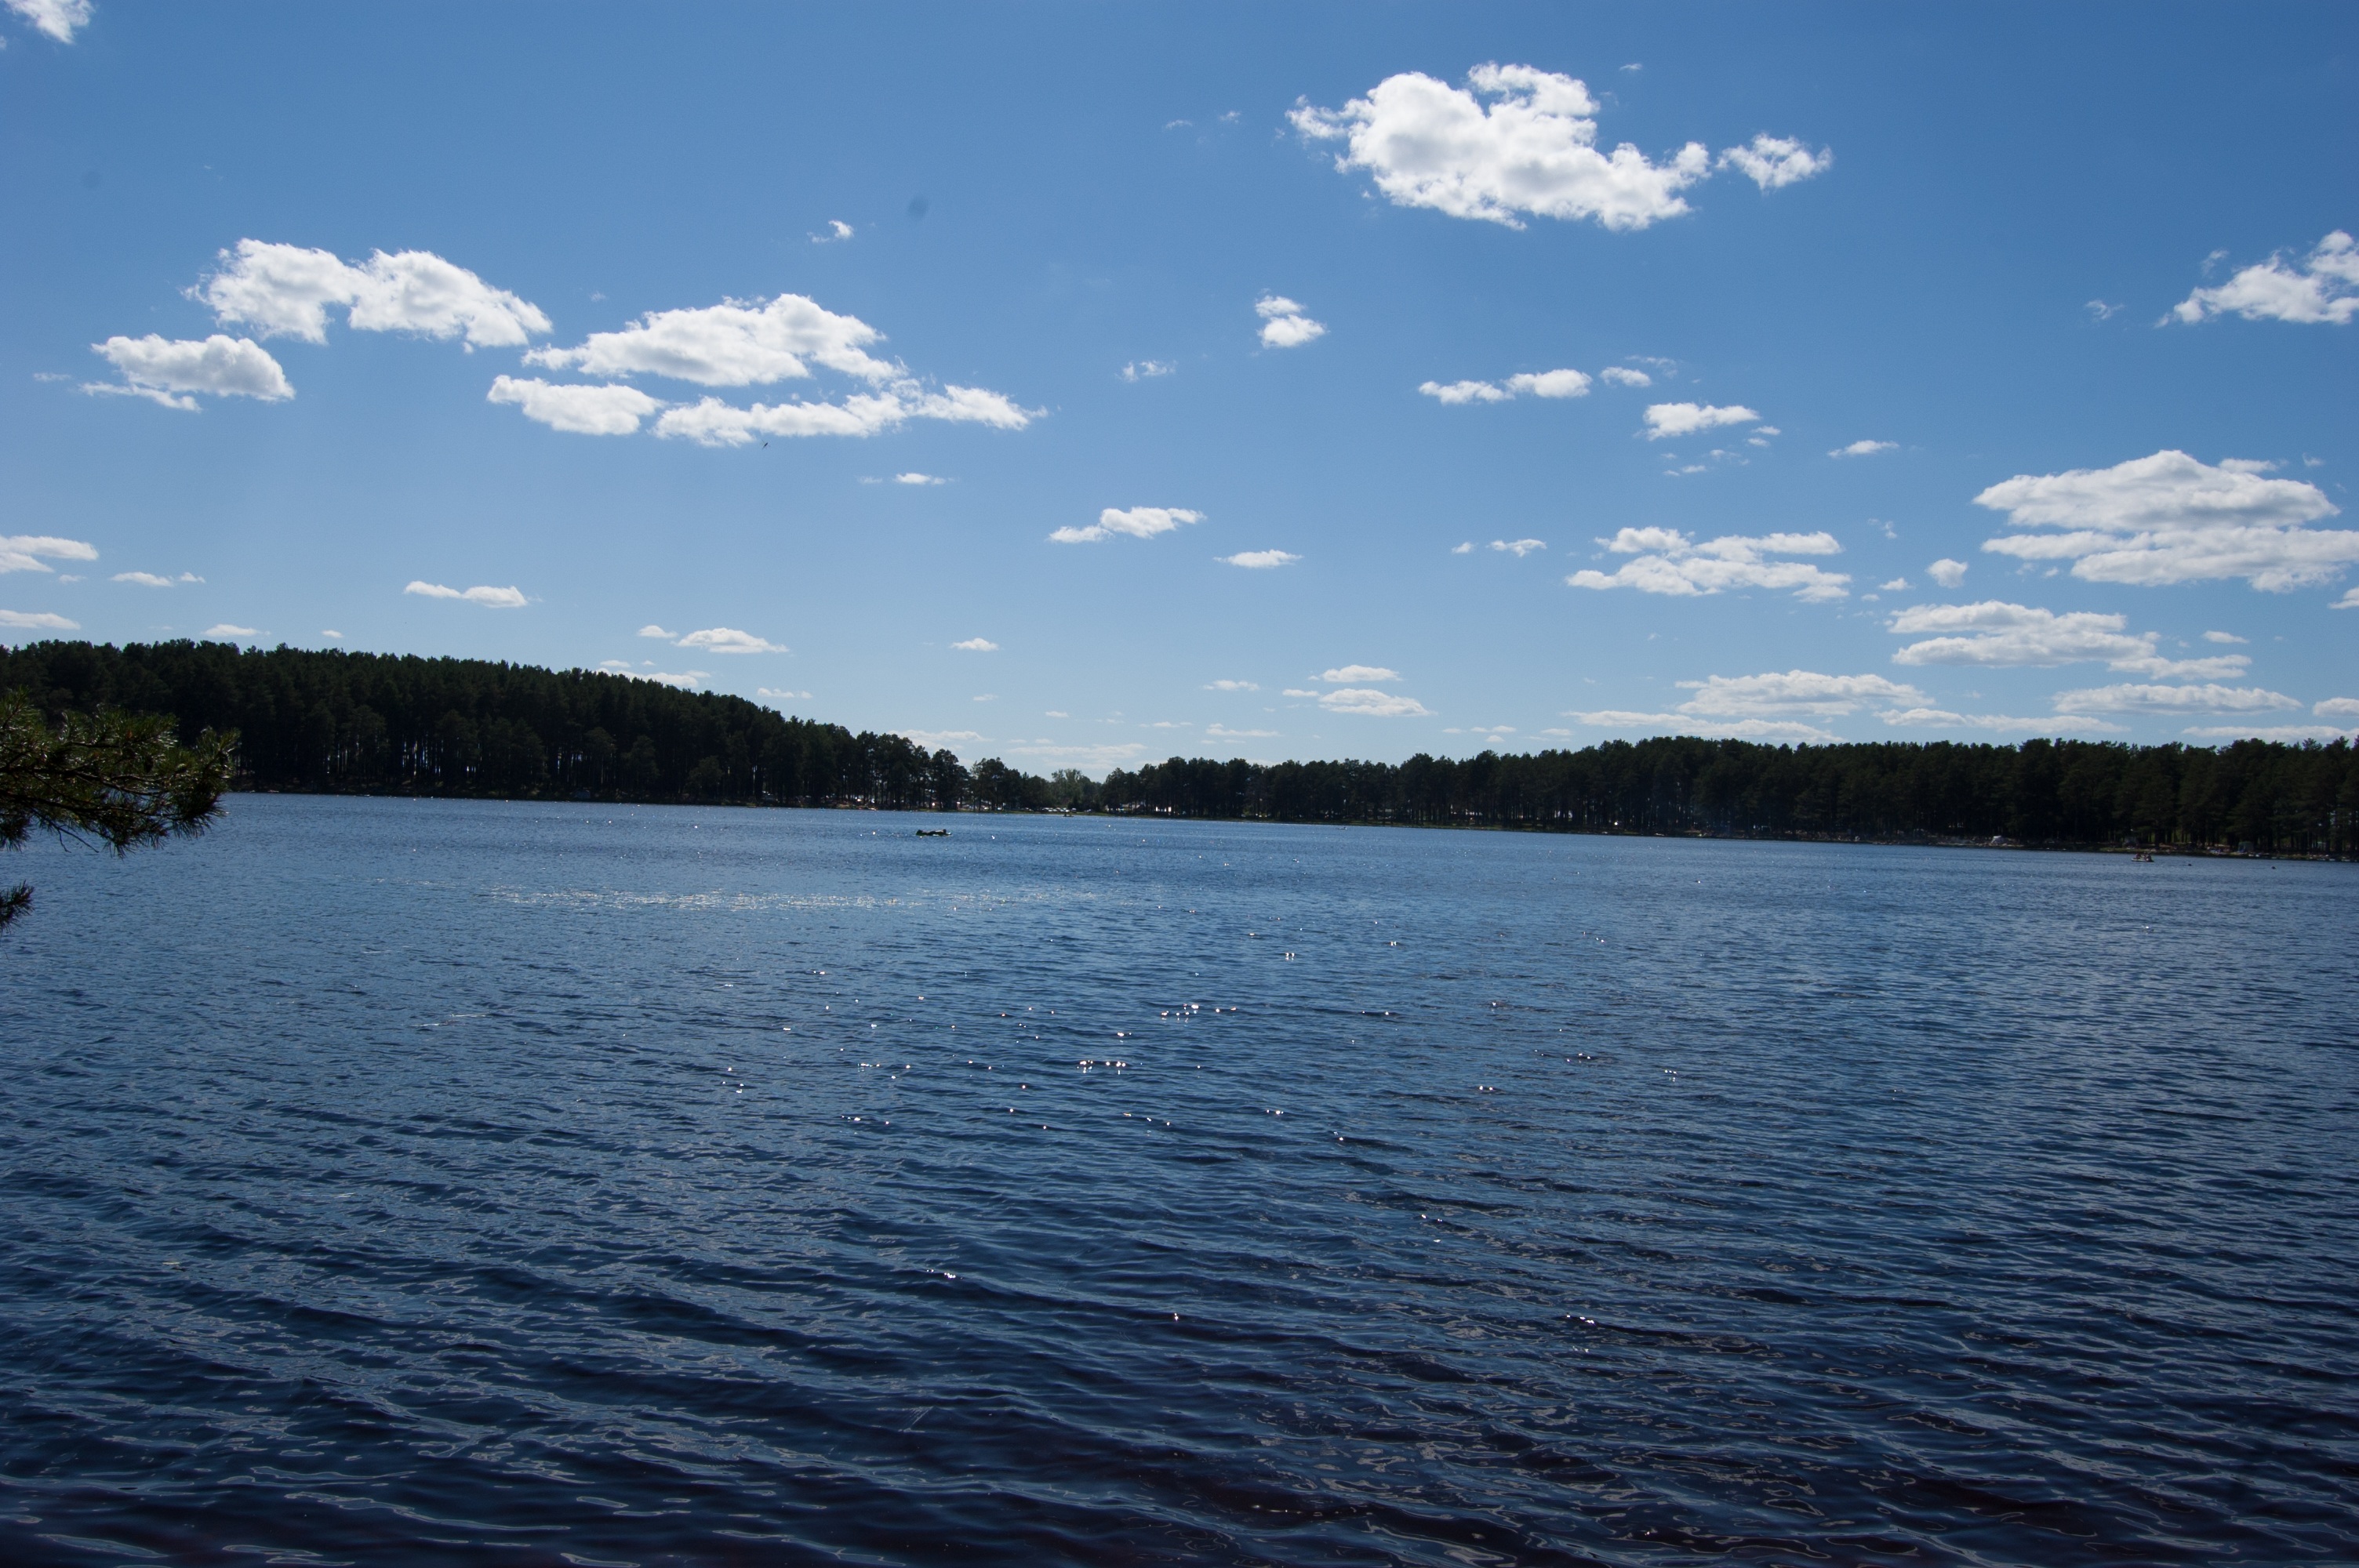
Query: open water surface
[(472, 1182)]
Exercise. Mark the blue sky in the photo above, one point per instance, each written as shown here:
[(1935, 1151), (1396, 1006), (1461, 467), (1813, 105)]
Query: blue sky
[(1236, 300)]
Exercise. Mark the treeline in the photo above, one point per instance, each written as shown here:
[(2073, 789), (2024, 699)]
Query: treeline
[(382, 723), (374, 723), (2257, 795)]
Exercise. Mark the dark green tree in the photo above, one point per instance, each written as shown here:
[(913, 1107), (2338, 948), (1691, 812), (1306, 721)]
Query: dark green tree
[(109, 777)]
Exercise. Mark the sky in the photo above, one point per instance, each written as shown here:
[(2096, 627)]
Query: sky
[(1087, 384)]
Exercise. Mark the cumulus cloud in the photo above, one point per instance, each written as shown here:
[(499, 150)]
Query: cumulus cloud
[(780, 694), (23, 552), (1530, 149), (489, 598), (166, 371), (2223, 637), (1349, 675), (1284, 324), (1137, 522), (1519, 548), (58, 18), (915, 477), (684, 680), (1223, 732), (287, 291), (738, 342), (2205, 699), (1772, 162), (2288, 733), (1740, 730), (1995, 633), (2350, 600), (977, 645), (153, 580), (1943, 718), (1686, 419), (1260, 561), (1947, 572), (2337, 707), (729, 640), (837, 230), (1543, 384), (1622, 375), (652, 630), (607, 410), (1865, 448), (1374, 703), (225, 629), (2324, 288), (37, 620), (1231, 686), (712, 423), (2170, 519), (1803, 692), (1147, 370), (1668, 562)]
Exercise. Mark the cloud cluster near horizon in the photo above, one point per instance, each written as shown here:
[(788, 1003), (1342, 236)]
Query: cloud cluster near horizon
[(1530, 150)]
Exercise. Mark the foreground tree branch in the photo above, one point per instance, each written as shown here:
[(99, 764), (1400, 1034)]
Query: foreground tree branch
[(108, 778)]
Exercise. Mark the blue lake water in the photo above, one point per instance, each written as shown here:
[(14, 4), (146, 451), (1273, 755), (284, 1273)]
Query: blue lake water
[(393, 1180)]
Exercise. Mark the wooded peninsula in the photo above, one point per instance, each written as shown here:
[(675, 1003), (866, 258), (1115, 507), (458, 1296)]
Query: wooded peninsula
[(395, 724)]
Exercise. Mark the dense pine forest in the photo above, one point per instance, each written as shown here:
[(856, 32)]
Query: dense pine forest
[(393, 724)]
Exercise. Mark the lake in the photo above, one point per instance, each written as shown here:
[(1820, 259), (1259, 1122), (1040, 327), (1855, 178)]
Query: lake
[(472, 1182)]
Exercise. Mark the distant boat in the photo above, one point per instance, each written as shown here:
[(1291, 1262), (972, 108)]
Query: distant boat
[(933, 832)]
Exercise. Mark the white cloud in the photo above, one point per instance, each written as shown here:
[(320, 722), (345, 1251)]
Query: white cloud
[(489, 598), (729, 640), (1774, 162), (1137, 522), (712, 423), (1358, 674), (285, 291), (226, 629), (1283, 323), (1519, 548), (837, 230), (333, 636), (1947, 572), (685, 680), (1260, 561), (652, 630), (1995, 634), (939, 739), (2324, 288), (1622, 375), (2207, 698), (977, 645), (1897, 585), (157, 367), (738, 342), (22, 552), (1865, 448), (1532, 151), (58, 18), (1147, 370), (2337, 707), (2350, 600), (1668, 562), (780, 694), (2170, 519), (37, 620), (146, 580), (1054, 755), (607, 410), (1943, 718), (1223, 732), (1374, 703), (2290, 732), (1793, 692), (2223, 637), (1465, 549), (1232, 686), (1742, 729), (915, 478), (1545, 383), (1686, 419)]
